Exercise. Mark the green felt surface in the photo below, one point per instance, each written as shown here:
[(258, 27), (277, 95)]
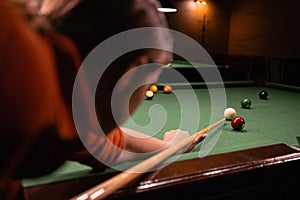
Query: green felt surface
[(268, 122)]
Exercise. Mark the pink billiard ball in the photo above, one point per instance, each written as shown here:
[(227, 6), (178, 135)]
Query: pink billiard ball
[(238, 123)]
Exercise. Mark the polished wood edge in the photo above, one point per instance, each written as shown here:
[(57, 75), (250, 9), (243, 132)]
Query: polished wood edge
[(195, 171), (217, 165)]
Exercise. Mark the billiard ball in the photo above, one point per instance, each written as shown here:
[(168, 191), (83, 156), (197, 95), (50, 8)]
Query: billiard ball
[(229, 113), (167, 89), (263, 94), (153, 88), (238, 123), (246, 103), (149, 95)]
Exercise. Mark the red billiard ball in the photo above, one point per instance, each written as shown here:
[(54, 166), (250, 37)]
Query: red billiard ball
[(238, 123), (167, 89)]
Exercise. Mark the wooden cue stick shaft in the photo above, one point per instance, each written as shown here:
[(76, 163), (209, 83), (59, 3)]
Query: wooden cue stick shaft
[(109, 186)]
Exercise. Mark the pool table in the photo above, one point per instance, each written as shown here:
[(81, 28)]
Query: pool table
[(260, 161)]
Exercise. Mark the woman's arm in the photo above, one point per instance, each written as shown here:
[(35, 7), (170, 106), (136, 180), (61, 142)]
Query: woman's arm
[(140, 145)]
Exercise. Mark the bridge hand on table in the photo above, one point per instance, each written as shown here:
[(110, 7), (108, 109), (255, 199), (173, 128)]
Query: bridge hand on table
[(173, 137)]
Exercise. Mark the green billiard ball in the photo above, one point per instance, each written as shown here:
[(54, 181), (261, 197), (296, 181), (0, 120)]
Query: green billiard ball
[(246, 103)]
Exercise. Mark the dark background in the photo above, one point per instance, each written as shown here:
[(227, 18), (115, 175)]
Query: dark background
[(260, 37)]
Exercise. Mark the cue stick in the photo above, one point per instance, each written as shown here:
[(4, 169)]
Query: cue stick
[(118, 181)]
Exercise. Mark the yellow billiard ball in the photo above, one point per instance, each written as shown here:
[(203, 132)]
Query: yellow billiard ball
[(153, 88)]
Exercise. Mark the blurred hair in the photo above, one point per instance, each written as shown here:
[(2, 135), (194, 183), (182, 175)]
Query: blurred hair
[(40, 13)]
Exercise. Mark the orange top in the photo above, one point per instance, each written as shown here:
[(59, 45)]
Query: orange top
[(37, 75)]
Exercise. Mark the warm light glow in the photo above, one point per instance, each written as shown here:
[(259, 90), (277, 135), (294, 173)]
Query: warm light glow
[(200, 2), (167, 9)]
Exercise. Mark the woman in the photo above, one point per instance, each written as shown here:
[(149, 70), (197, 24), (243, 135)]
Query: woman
[(42, 47)]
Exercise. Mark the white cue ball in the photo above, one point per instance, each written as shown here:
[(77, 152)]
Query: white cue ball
[(149, 94), (229, 113)]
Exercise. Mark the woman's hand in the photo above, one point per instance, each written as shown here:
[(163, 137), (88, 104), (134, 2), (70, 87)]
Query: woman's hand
[(173, 137)]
